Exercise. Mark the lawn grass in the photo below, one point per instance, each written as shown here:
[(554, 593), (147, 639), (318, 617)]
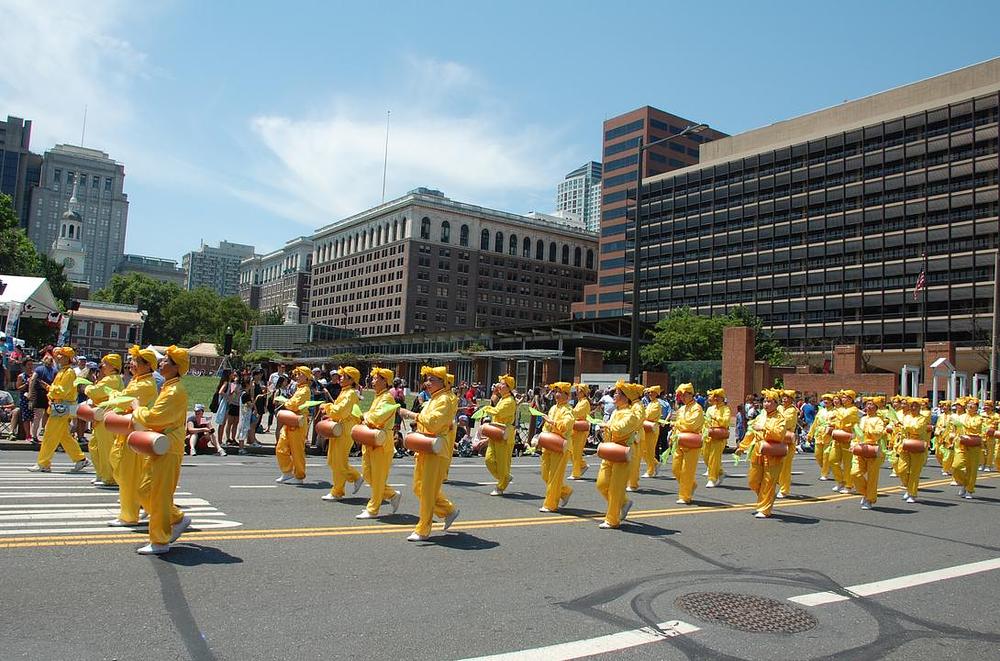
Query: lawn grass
[(199, 389)]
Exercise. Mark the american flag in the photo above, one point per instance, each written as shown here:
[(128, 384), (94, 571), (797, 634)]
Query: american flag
[(921, 283)]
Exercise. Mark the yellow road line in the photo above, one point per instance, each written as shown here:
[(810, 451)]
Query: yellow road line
[(338, 531)]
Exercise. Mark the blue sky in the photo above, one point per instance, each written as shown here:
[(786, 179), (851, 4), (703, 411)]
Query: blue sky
[(257, 122)]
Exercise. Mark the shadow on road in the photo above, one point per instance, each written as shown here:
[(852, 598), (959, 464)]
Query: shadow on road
[(462, 541), (645, 529), (193, 555), (794, 518), (891, 510), (399, 519)]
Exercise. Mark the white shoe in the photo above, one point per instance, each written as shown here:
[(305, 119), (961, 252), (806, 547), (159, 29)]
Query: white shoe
[(967, 495), (837, 488), (823, 478), (961, 492), (178, 528), (394, 502), (80, 465), (365, 514), (153, 549), (38, 469), (910, 499), (710, 484), (954, 483), (118, 523), (293, 480), (414, 537), (357, 484), (625, 509), (718, 482), (630, 490), (779, 496), (95, 481), (759, 515), (945, 473), (572, 478), (544, 509), (681, 501), (450, 519), (865, 505), (705, 474), (604, 525), (284, 476), (982, 468), (496, 492), (329, 497), (564, 500), (845, 490)]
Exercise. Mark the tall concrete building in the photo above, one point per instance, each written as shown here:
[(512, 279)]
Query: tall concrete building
[(20, 170), (102, 206), (823, 224), (580, 193), (621, 148), (279, 279), (216, 268)]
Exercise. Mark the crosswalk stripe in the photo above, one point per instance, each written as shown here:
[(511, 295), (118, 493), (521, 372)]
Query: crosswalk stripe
[(68, 494), (202, 524), (180, 502)]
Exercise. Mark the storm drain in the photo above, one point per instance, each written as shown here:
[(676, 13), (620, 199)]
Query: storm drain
[(747, 612)]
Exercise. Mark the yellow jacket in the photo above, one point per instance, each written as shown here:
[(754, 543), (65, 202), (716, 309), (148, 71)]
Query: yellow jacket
[(942, 430), (689, 418), (846, 417), (382, 414), (763, 428), (822, 424), (915, 426), (342, 411), (63, 389), (505, 410), (622, 426), (790, 414), (99, 392), (872, 429), (167, 415), (562, 420), (437, 418), (975, 424), (719, 415)]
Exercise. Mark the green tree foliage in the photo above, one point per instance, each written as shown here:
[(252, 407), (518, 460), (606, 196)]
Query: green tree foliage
[(148, 294), (272, 317), (685, 335), (17, 254)]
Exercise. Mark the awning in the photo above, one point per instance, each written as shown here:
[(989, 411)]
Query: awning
[(34, 293)]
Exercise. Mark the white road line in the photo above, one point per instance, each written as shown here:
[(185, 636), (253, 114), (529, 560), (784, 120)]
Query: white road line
[(197, 524), (180, 502), (70, 494), (601, 645), (889, 585), (253, 486), (69, 516)]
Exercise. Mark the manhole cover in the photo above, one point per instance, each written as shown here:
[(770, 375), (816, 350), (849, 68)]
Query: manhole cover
[(747, 612)]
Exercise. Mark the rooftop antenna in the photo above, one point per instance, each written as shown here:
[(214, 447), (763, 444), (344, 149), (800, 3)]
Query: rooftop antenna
[(84, 131), (385, 158)]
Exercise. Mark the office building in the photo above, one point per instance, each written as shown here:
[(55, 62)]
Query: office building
[(217, 269), (823, 224), (621, 147), (20, 170), (164, 270), (424, 262), (277, 280), (102, 206), (580, 194)]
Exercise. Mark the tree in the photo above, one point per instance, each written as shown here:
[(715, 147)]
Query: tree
[(272, 317), (58, 282), (685, 335), (766, 348), (147, 294), (17, 254)]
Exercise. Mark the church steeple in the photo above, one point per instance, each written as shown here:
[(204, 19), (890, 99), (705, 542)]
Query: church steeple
[(68, 248)]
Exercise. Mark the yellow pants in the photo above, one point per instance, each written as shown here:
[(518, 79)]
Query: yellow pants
[(762, 477), (908, 470), (990, 451), (498, 455), (965, 466), (648, 450), (577, 444), (785, 477), (684, 466), (865, 474), (127, 470), (712, 454), (822, 458), (429, 473), (632, 481), (840, 464), (611, 480), (160, 475), (56, 434), (290, 452), (337, 454), (944, 462), (554, 476), (375, 465), (100, 452)]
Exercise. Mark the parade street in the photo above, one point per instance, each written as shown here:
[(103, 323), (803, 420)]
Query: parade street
[(271, 571)]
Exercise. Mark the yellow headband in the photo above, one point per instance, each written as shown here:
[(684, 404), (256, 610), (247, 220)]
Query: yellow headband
[(438, 372), (382, 372), (717, 392), (350, 372), (561, 386), (582, 388), (632, 391), (654, 390), (685, 387), (64, 352), (508, 381), (145, 355), (114, 360), (179, 357), (303, 371)]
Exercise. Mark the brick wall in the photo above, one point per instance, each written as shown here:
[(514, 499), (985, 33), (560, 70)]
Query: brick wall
[(737, 362), (861, 383), (588, 361)]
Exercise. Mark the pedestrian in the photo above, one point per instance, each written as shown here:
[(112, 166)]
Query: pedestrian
[(62, 408), (846, 417), (968, 451), (376, 461), (689, 419), (916, 437), (623, 428), (102, 441), (581, 413), (25, 413), (559, 420), (718, 416), (343, 411), (290, 450), (790, 414), (498, 452), (764, 444)]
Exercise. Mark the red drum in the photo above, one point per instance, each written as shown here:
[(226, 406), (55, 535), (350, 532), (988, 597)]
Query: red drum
[(150, 443), (842, 435), (552, 442), (328, 428), (290, 419), (650, 426), (689, 439), (85, 412), (718, 433), (914, 445), (423, 443), (365, 435), (971, 440), (865, 450), (770, 449), (118, 424), (614, 452), (493, 431), (581, 425)]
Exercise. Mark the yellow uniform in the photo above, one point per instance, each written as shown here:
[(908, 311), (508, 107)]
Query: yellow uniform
[(623, 428), (632, 483), (653, 412), (968, 458), (62, 398), (554, 463), (845, 419), (580, 412), (436, 418), (819, 433), (716, 415), (989, 442), (160, 474), (102, 440), (863, 470), (943, 442), (790, 415), (376, 462), (690, 418), (126, 464), (498, 453), (910, 464), (763, 471), (290, 450), (339, 448)]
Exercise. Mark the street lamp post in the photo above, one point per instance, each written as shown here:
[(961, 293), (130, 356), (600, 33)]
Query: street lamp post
[(634, 370)]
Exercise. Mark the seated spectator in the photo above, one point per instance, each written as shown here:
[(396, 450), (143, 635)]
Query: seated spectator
[(200, 436), (6, 406)]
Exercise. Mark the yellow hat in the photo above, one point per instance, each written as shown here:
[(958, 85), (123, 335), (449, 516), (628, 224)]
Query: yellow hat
[(440, 373), (717, 392), (632, 391), (788, 393), (179, 357), (850, 394), (684, 387), (943, 403), (114, 360), (64, 352), (508, 381), (826, 395), (582, 388), (382, 372), (877, 400), (988, 403), (351, 372), (561, 386), (972, 401), (147, 356), (771, 393), (303, 371), (654, 390)]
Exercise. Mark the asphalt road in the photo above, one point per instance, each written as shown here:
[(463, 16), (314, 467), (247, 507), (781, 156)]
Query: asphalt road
[(277, 573)]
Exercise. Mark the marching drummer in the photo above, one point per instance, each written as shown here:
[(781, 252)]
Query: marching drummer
[(581, 429), (102, 439), (344, 412), (865, 466), (690, 418), (499, 451), (622, 428), (62, 399), (765, 443), (717, 416), (290, 450), (559, 420), (376, 461)]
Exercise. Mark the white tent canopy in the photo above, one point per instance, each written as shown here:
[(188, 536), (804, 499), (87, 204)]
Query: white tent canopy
[(34, 293)]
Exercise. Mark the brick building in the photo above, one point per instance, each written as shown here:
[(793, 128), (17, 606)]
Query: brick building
[(102, 328)]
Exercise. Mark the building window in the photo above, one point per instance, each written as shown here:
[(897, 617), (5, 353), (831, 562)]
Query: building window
[(565, 255), (484, 240), (498, 244), (56, 176), (577, 256), (95, 182), (540, 250), (526, 249), (463, 236), (552, 251), (446, 232), (98, 329), (113, 331), (512, 246), (425, 228), (590, 259)]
